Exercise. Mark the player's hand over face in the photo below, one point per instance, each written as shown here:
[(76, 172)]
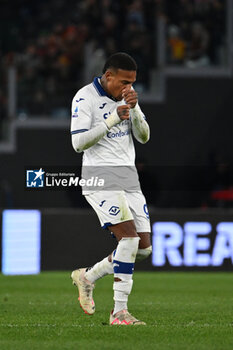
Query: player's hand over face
[(130, 97), (123, 112)]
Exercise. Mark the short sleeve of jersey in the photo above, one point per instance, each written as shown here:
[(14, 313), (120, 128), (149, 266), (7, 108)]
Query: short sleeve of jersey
[(81, 114)]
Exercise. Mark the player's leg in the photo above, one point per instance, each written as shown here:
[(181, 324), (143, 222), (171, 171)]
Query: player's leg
[(139, 210), (123, 266), (145, 247), (138, 207), (105, 266), (111, 208), (100, 269)]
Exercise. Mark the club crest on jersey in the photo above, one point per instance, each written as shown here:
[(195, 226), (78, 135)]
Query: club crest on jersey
[(114, 210)]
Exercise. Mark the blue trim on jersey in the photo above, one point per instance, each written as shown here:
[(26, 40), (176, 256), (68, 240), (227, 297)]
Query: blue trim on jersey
[(123, 267), (100, 89), (106, 225), (78, 131)]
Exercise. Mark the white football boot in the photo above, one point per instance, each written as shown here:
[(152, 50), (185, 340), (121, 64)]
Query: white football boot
[(124, 318), (85, 291)]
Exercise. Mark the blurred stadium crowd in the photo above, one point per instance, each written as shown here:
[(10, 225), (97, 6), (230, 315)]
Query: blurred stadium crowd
[(196, 32), (53, 42), (57, 46)]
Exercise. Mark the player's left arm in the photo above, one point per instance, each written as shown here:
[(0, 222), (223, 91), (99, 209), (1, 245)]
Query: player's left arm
[(140, 127)]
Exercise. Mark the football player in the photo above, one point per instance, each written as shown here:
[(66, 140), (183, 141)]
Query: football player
[(105, 117)]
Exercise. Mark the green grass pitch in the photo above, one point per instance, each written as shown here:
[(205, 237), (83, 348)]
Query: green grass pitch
[(182, 311)]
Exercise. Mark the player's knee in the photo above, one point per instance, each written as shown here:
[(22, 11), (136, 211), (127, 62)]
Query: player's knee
[(143, 253)]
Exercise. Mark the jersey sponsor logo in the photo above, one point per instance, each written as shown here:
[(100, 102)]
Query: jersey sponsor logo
[(112, 135), (81, 99), (114, 210), (103, 105)]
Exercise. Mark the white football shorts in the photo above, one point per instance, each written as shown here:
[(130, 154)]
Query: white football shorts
[(114, 207)]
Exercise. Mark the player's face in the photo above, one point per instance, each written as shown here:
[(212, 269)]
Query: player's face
[(118, 80)]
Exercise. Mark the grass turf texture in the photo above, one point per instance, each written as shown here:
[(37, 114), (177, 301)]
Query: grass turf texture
[(182, 311)]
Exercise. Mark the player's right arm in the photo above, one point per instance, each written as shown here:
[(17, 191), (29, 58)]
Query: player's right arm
[(83, 135)]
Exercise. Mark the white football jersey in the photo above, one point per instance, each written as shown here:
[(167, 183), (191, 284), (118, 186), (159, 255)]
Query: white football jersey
[(90, 106)]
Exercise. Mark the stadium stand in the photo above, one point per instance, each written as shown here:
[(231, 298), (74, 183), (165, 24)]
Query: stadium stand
[(57, 48), (50, 42), (196, 32)]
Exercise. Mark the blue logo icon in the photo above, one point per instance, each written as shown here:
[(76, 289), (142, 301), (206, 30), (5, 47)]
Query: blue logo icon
[(35, 178), (103, 105), (102, 203), (114, 210), (75, 115)]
